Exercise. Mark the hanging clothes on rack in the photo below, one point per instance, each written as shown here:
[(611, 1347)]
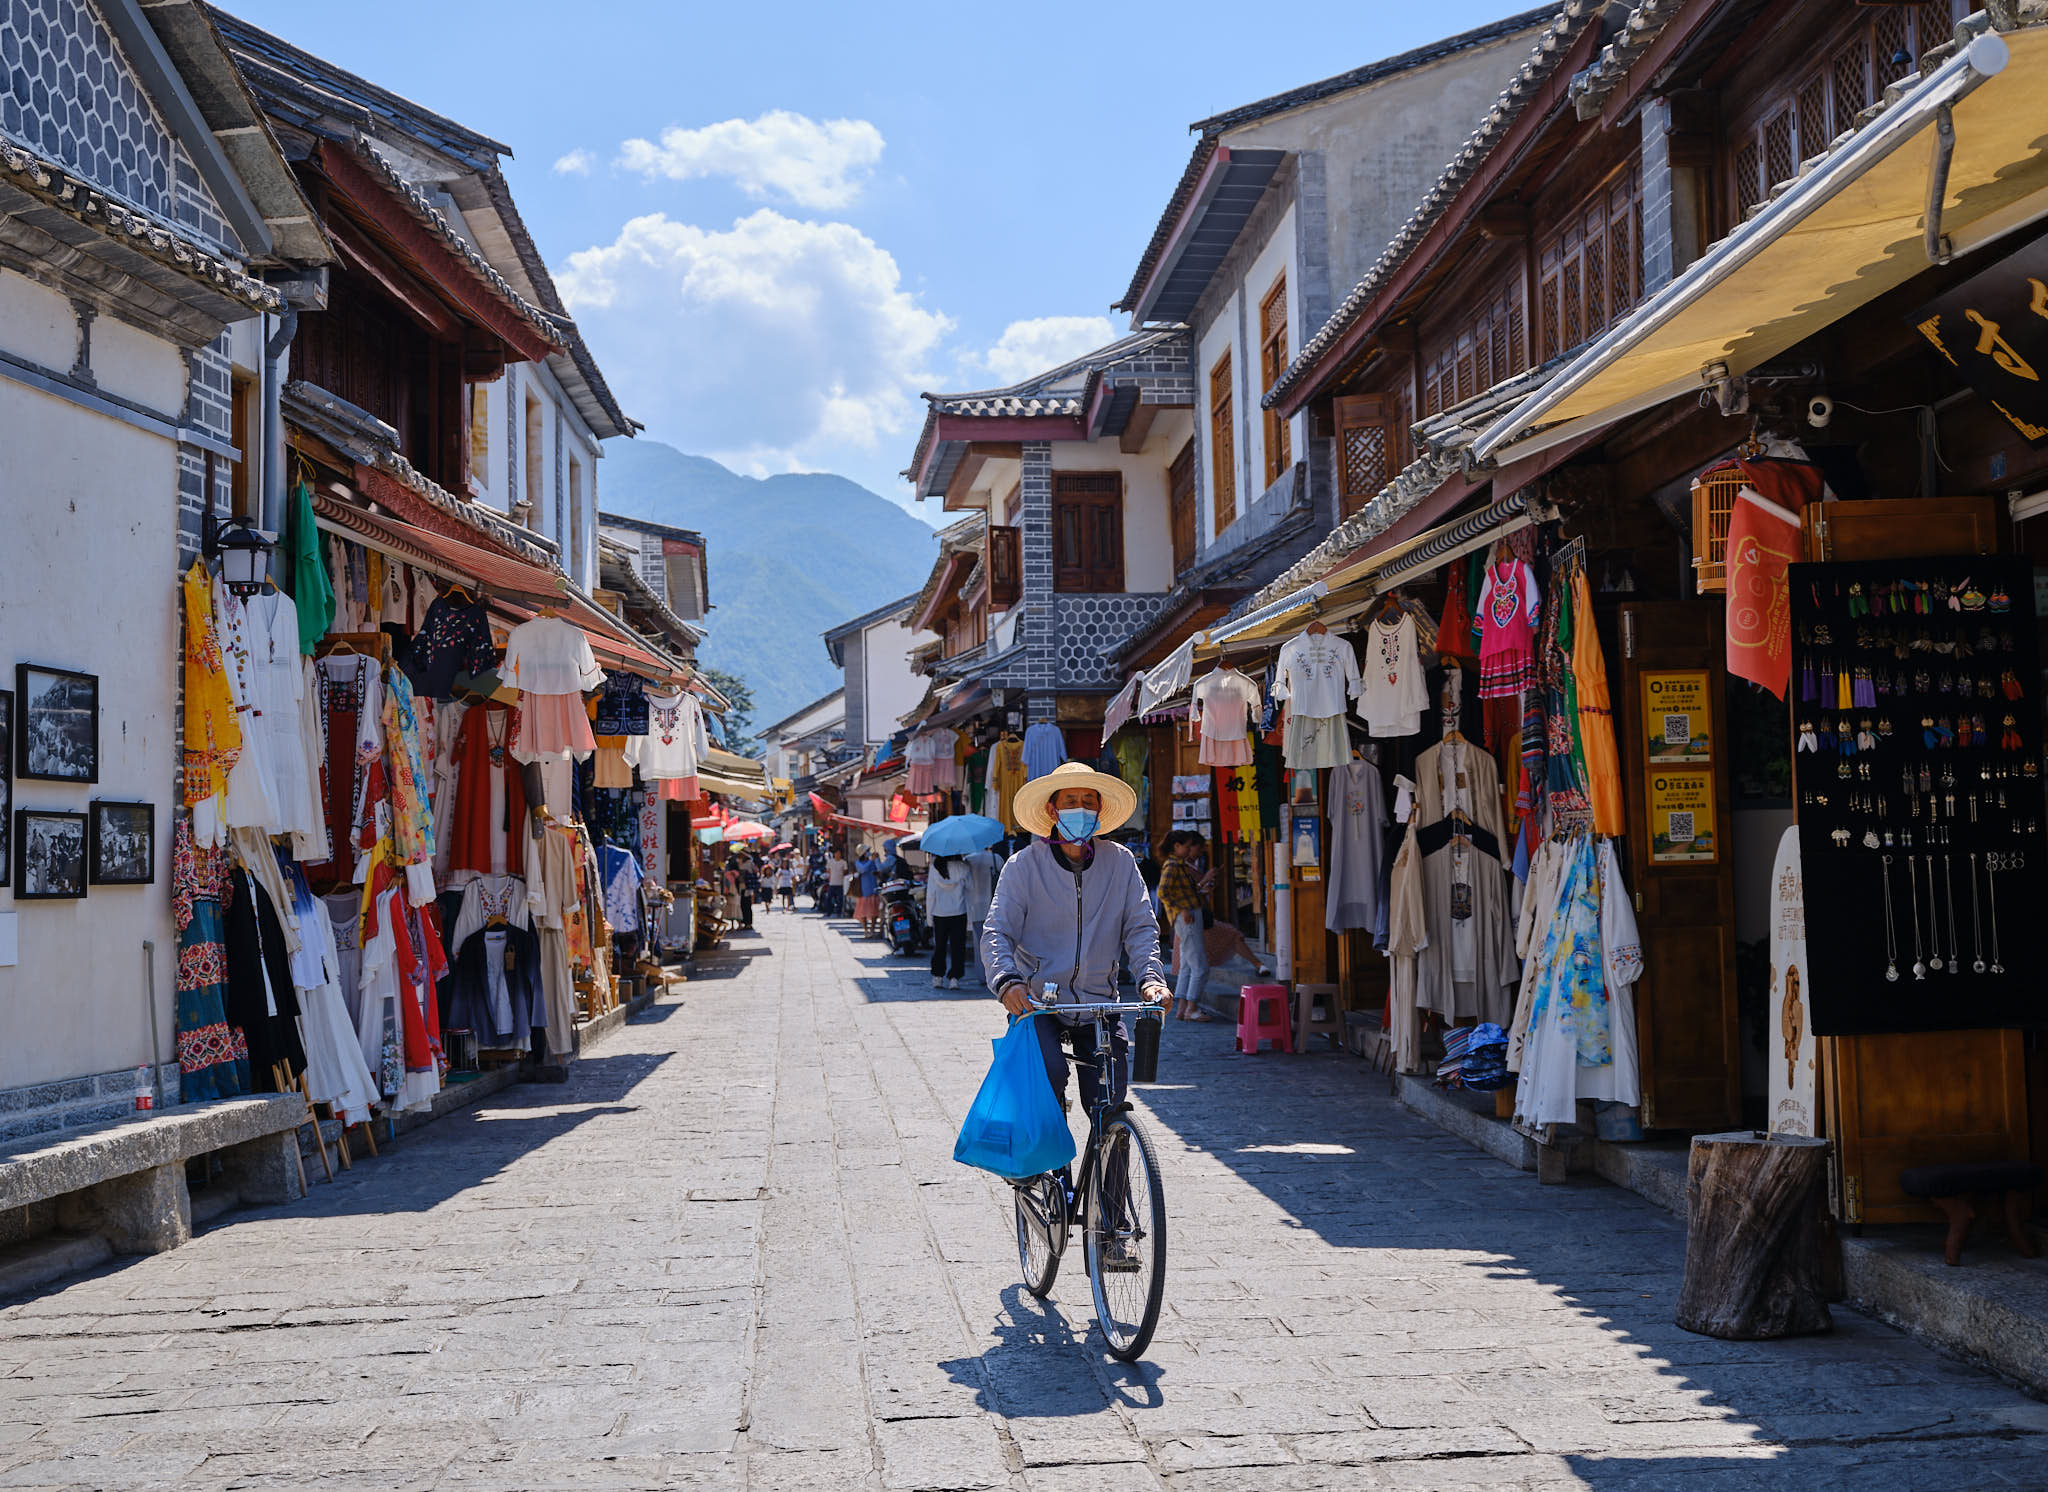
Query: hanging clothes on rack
[(1223, 703), (1508, 604), (1394, 693), (1407, 940), (213, 1056), (494, 988), (412, 814), (1317, 675), (1357, 831), (454, 642), (1006, 773), (1467, 969), (349, 698), (1045, 747), (672, 750), (931, 760), (213, 729), (1596, 714), (490, 796)]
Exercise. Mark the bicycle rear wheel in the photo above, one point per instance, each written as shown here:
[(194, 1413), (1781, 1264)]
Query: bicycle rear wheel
[(1126, 1238), (1041, 1231)]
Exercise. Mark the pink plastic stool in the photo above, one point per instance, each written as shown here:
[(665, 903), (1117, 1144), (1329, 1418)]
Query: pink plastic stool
[(1262, 1013)]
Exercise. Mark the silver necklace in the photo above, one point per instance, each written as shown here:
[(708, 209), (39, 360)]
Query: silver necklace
[(1891, 936), (1955, 940), (1933, 921), (1976, 918), (1913, 874)]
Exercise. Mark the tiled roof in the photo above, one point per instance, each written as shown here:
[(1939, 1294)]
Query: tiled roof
[(1571, 18), (1646, 22), (1209, 129), (79, 199), (1059, 391), (430, 218), (1441, 440)]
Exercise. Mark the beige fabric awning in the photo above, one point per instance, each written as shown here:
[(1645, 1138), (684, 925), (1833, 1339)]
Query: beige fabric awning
[(1846, 231)]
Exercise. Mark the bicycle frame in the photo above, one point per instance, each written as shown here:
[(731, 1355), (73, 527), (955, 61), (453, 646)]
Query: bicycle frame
[(1102, 1016)]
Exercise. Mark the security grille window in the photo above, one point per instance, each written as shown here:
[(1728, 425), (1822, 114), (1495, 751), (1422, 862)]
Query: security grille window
[(1180, 502), (1849, 72), (1222, 445), (1366, 449), (1087, 531), (1272, 363), (1590, 272)]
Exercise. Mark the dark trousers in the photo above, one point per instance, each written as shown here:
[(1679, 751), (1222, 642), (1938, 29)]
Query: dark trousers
[(1054, 1040), (949, 946), (746, 909)]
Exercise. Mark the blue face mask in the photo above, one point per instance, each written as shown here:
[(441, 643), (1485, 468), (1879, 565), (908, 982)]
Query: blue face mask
[(1078, 824)]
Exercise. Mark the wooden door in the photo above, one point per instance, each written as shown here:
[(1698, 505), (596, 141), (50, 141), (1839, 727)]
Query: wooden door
[(1686, 1021), (1180, 507), (1894, 1102), (1087, 531)]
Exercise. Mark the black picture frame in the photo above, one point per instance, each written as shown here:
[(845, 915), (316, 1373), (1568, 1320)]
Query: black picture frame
[(57, 730), (6, 786), (38, 833), (122, 850)]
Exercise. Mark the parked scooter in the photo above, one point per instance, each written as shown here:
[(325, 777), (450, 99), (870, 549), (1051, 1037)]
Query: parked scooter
[(903, 916)]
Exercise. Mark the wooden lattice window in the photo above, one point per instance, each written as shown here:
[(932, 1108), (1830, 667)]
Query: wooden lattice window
[(1180, 507), (1005, 565), (1481, 352), (1222, 444), (1800, 118), (1366, 449), (1272, 363), (1087, 531), (1591, 270)]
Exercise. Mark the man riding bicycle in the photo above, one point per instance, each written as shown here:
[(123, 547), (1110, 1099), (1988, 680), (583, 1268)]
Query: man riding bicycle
[(1066, 907)]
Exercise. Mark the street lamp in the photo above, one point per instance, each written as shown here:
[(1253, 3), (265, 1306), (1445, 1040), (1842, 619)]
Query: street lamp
[(244, 556)]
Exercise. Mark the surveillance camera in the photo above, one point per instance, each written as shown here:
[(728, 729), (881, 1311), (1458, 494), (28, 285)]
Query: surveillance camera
[(1819, 410)]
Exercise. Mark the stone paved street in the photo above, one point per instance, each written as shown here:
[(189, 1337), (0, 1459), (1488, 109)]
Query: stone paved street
[(735, 1252)]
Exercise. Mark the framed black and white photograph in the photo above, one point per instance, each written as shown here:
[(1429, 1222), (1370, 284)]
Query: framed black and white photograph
[(49, 846), (123, 843), (57, 735), (6, 786)]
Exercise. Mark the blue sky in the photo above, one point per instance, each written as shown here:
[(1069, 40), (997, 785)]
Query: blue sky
[(777, 224)]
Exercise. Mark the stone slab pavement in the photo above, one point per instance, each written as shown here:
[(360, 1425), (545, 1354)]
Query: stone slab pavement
[(734, 1252)]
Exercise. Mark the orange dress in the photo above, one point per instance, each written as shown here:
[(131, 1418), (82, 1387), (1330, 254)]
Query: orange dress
[(1596, 716)]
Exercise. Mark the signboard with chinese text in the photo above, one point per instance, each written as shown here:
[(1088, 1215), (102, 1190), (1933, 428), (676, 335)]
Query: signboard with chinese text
[(1993, 330), (1682, 818), (1677, 717)]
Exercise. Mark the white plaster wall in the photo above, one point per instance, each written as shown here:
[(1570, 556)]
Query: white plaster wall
[(135, 365), (1148, 533), (91, 511), (1221, 334), (892, 689), (1276, 257), (37, 323)]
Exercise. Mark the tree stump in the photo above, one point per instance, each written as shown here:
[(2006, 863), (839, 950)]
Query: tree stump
[(1754, 1237)]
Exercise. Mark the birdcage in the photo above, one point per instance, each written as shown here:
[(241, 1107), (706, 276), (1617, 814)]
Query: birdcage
[(1713, 502)]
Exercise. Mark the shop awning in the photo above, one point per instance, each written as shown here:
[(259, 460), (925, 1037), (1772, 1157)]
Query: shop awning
[(488, 572), (1173, 677), (1847, 230), (1123, 706), (736, 776)]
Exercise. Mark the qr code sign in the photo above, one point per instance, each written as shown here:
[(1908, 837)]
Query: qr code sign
[(1681, 828), (1677, 730)]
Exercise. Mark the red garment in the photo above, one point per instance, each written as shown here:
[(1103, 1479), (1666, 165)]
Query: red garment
[(340, 700), (1507, 620), (1763, 539), (1454, 632), (422, 964), (474, 835)]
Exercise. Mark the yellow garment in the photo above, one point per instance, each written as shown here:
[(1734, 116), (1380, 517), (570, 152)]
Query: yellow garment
[(1005, 776), (213, 733), (1596, 716), (611, 768)]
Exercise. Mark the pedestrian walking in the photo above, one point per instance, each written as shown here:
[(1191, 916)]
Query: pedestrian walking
[(946, 887), (835, 884), (1180, 902), (867, 882)]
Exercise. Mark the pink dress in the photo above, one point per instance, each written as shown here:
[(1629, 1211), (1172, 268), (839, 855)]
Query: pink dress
[(1507, 629), (550, 663)]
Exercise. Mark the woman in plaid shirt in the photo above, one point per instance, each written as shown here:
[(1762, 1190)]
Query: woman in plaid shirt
[(1180, 898)]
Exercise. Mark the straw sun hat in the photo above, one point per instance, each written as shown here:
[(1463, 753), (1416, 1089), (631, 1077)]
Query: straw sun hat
[(1034, 799)]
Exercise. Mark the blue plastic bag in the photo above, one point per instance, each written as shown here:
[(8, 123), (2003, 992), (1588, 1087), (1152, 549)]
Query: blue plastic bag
[(1015, 1127)]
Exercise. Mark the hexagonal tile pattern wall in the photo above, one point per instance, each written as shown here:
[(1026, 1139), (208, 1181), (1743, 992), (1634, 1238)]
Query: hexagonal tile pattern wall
[(70, 95), (1088, 627)]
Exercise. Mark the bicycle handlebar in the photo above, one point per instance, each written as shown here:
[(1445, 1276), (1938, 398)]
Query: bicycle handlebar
[(1140, 1008)]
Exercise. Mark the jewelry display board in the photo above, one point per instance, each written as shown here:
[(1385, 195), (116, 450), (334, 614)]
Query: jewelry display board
[(1917, 774)]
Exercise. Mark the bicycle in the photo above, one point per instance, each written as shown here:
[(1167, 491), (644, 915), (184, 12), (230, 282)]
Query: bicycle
[(1119, 1203)]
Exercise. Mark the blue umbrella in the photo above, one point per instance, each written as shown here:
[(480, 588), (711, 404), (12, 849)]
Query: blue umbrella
[(962, 834)]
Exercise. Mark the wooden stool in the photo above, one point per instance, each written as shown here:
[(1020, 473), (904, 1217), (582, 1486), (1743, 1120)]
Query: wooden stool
[(1305, 1022), (1950, 1188), (1262, 1014)]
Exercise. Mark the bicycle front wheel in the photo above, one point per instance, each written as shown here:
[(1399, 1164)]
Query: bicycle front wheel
[(1041, 1230), (1126, 1238)]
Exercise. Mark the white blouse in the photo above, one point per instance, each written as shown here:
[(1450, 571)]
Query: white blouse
[(1317, 673), (549, 656), (1395, 695), (1224, 699), (675, 742)]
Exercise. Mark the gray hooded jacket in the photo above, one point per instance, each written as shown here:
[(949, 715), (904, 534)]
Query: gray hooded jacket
[(1048, 925)]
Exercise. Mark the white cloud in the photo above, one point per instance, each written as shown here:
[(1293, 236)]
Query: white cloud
[(1043, 342), (576, 163), (779, 344), (813, 163)]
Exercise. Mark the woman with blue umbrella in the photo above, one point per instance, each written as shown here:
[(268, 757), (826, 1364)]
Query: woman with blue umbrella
[(947, 889)]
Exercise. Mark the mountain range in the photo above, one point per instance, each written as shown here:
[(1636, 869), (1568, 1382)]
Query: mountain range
[(788, 557)]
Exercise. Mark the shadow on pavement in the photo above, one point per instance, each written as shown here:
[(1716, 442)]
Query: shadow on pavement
[(908, 984), (1317, 1136), (1044, 1366)]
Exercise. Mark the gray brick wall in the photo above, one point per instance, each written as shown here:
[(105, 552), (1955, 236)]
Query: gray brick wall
[(854, 651), (1036, 625), (209, 404), (43, 1108), (1658, 267), (1089, 627)]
